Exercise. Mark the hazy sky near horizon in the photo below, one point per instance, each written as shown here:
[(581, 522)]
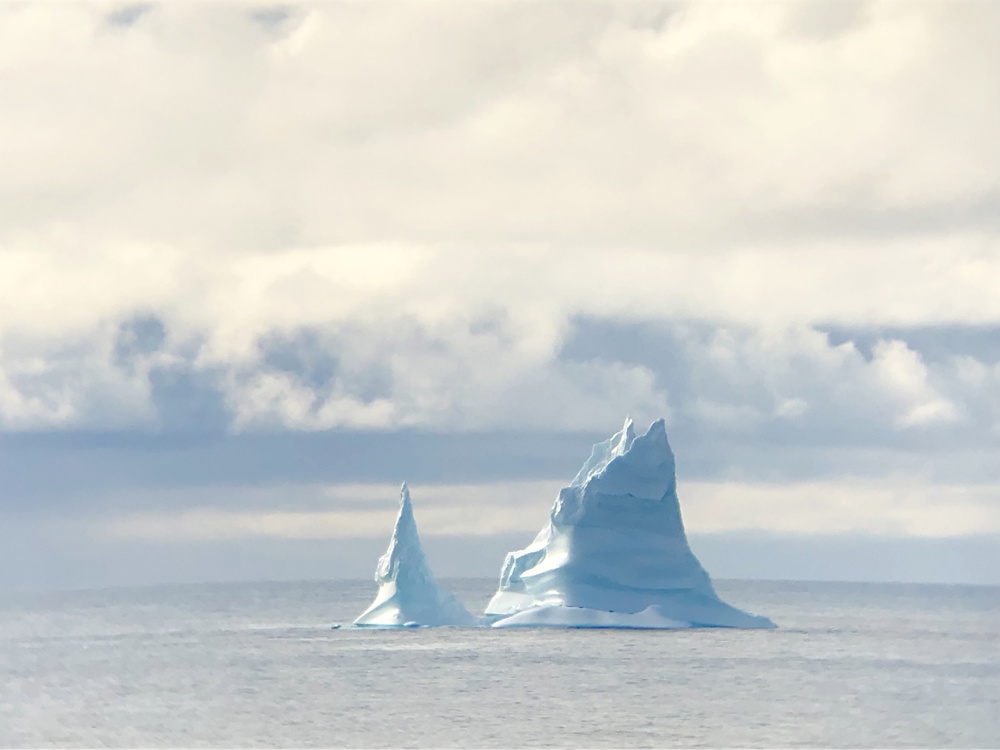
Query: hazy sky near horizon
[(261, 262)]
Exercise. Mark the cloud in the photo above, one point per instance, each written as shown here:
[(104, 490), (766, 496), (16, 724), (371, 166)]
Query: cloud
[(365, 511), (446, 345), (906, 379), (343, 241), (888, 507), (677, 125), (499, 121), (343, 215), (72, 474), (800, 383)]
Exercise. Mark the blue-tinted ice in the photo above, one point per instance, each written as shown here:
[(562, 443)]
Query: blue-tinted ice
[(614, 552), (408, 595)]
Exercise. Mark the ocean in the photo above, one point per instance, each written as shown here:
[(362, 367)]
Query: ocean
[(257, 664)]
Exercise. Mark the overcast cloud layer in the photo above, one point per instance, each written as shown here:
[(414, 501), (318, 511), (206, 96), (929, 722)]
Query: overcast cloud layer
[(776, 224)]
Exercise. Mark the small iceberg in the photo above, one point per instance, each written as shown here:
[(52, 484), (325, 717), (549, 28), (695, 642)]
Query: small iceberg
[(408, 594)]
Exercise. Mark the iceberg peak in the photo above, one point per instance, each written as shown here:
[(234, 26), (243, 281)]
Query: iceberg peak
[(629, 465), (603, 453), (408, 592), (404, 545)]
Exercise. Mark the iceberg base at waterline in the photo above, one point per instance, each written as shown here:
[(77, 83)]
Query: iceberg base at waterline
[(672, 610), (559, 616)]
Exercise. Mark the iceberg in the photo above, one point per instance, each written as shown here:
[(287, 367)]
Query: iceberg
[(408, 595), (613, 552)]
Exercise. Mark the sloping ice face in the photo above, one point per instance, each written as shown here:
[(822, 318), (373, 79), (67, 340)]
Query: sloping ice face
[(408, 594), (615, 543)]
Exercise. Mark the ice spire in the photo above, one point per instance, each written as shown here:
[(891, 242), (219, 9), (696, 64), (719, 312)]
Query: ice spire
[(408, 592), (404, 549)]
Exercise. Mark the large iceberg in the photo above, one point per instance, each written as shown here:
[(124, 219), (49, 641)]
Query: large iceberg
[(408, 595), (614, 553)]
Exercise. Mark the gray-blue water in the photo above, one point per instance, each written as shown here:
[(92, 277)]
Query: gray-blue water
[(257, 665)]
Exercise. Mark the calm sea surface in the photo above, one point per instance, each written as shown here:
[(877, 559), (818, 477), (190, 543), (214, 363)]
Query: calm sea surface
[(257, 665)]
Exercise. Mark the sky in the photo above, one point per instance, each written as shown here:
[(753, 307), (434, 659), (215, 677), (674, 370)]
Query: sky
[(261, 263)]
